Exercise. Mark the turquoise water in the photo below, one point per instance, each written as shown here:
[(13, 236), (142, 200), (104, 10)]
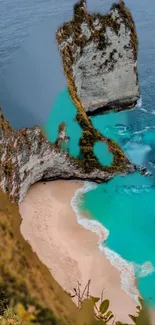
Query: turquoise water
[(124, 205), (102, 153), (111, 125), (64, 111)]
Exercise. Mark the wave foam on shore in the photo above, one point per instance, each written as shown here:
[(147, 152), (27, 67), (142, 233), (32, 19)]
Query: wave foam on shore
[(127, 269)]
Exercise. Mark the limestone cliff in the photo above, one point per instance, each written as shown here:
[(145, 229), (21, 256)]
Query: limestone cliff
[(26, 156), (100, 58)]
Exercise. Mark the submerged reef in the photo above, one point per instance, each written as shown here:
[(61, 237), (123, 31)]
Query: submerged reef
[(99, 55)]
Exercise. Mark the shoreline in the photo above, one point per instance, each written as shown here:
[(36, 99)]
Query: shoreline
[(51, 227), (126, 269)]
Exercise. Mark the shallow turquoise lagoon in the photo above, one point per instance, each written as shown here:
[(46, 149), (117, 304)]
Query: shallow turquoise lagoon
[(64, 111), (102, 153)]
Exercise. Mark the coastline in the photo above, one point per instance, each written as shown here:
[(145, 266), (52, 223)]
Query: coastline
[(126, 269), (69, 250)]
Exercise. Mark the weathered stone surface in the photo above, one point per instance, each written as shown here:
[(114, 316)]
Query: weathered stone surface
[(26, 156), (89, 41), (100, 57)]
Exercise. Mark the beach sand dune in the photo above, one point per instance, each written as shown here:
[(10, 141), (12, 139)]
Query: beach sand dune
[(70, 251)]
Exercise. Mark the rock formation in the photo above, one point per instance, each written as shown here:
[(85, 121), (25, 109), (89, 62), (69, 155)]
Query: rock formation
[(26, 156), (100, 58)]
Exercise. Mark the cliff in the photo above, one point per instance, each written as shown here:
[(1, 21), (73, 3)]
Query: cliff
[(23, 278), (99, 56), (26, 156)]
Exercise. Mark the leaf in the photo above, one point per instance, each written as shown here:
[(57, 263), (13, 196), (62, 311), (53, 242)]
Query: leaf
[(86, 313), (95, 299), (143, 317), (140, 299), (110, 317), (134, 318), (104, 306), (118, 323), (109, 313), (100, 322)]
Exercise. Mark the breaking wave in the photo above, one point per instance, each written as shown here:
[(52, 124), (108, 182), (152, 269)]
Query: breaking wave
[(127, 269)]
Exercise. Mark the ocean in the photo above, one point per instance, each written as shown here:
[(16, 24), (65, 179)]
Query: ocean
[(125, 205)]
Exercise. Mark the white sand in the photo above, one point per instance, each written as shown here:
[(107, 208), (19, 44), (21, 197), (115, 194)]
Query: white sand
[(70, 251)]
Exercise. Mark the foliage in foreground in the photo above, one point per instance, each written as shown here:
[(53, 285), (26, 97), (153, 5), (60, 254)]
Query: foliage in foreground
[(91, 311), (21, 316), (99, 308)]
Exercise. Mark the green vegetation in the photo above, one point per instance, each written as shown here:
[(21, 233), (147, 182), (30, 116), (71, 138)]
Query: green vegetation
[(91, 311), (23, 278)]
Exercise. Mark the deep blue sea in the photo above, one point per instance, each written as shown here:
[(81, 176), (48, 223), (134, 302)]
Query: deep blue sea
[(32, 82)]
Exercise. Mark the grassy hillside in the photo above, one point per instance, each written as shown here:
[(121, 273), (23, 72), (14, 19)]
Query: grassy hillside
[(23, 278)]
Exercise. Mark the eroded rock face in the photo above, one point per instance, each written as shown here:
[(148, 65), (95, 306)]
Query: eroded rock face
[(100, 57), (26, 156)]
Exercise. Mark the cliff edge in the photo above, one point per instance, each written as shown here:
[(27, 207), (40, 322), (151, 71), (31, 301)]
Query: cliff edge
[(99, 56), (26, 157)]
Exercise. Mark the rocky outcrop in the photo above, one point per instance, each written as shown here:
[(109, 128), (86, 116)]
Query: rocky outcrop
[(100, 58), (26, 156)]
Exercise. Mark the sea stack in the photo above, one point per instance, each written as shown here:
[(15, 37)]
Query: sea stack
[(99, 56)]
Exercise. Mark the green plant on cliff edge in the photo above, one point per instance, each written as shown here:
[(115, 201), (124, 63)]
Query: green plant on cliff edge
[(21, 316), (91, 311), (90, 306)]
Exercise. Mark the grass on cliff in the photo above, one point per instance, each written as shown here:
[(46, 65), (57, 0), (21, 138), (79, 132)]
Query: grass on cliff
[(23, 278)]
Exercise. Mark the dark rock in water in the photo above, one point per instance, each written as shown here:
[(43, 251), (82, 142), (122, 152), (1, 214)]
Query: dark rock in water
[(100, 58)]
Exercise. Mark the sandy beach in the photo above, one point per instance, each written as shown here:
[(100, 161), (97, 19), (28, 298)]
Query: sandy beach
[(70, 251)]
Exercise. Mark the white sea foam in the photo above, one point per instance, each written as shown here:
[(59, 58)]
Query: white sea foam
[(139, 105), (143, 110), (127, 269), (145, 129), (139, 102)]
